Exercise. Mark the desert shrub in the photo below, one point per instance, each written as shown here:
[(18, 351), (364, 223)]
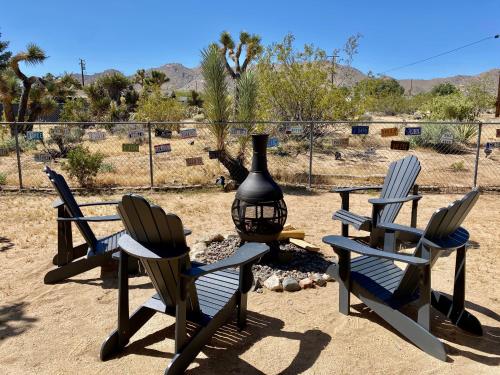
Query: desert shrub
[(107, 168), (83, 165), (3, 178), (451, 107), (77, 110), (465, 133), (9, 143), (458, 166), (443, 89), (65, 138), (155, 107)]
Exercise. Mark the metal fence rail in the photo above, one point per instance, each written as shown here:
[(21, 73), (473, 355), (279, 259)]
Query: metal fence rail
[(313, 154)]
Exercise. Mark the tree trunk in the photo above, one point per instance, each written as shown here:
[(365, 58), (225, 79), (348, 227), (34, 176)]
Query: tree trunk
[(23, 103), (237, 171)]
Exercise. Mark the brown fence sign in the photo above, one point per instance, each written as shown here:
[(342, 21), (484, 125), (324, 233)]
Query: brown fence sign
[(43, 157), (188, 133), (214, 154), (400, 145), (194, 161), (389, 132), (343, 142), (498, 133), (163, 148)]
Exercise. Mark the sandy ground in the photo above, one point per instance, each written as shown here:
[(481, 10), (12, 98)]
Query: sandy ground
[(59, 329)]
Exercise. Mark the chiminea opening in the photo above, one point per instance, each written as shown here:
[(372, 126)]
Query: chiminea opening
[(259, 211)]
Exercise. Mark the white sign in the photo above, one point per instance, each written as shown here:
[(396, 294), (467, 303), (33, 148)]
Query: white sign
[(295, 130), (97, 136), (135, 134), (61, 131), (188, 133), (163, 148), (239, 131), (447, 138)]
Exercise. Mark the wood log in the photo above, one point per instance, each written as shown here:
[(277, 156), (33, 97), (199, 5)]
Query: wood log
[(304, 244), (286, 234)]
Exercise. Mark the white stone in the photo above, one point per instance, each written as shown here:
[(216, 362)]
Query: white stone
[(273, 283)]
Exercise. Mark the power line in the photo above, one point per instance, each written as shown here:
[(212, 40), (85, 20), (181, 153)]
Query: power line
[(441, 54)]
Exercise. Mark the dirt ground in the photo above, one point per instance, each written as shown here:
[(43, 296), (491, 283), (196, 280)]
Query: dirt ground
[(58, 329)]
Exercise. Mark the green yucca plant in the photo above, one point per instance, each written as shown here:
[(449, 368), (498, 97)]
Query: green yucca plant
[(247, 108)]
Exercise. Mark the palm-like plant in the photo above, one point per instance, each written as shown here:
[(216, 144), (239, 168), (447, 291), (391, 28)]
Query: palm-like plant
[(217, 107), (247, 108), (32, 56), (114, 84), (10, 89), (140, 76), (157, 78)]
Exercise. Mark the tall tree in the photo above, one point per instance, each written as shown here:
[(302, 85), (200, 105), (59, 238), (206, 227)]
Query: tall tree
[(156, 78), (4, 54), (32, 56), (217, 107), (140, 77), (251, 43)]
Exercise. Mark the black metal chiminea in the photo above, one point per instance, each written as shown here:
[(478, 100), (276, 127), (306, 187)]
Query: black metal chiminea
[(259, 211)]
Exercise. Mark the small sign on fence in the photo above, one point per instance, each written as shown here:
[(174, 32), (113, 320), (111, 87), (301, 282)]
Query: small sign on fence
[(360, 130), (389, 132), (294, 129), (163, 133), (413, 131), (498, 133), (492, 145), (447, 138), (34, 136), (272, 142), (60, 131), (215, 154), (97, 136), (238, 131), (4, 152), (43, 157), (135, 134), (130, 147), (340, 142), (400, 145), (194, 161), (163, 148), (188, 133)]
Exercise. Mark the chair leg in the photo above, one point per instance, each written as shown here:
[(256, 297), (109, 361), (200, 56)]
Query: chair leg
[(344, 269), (74, 268), (242, 310), (78, 252), (455, 309)]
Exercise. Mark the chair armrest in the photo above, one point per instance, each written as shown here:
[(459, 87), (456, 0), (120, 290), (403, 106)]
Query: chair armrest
[(344, 243), (455, 240), (385, 201), (402, 229), (91, 218), (98, 203), (57, 203), (355, 188), (247, 253)]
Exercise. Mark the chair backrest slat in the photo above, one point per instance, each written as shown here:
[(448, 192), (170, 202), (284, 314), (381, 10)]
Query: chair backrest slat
[(398, 183), (67, 197), (443, 224), (154, 228)]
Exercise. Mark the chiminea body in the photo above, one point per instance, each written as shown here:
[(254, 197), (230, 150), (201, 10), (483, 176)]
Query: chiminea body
[(259, 211)]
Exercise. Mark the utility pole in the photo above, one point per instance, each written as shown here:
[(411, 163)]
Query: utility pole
[(497, 111), (82, 68), (334, 61), (411, 86)]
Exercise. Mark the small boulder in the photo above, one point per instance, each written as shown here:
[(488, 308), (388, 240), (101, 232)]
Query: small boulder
[(291, 285), (318, 279), (230, 186), (327, 277), (273, 283), (306, 283), (198, 251)]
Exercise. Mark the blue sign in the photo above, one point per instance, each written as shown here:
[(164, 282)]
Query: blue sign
[(34, 136), (272, 142), (360, 130), (413, 131)]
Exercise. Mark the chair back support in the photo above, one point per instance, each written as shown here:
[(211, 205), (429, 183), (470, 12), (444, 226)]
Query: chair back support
[(71, 205), (163, 235), (398, 183), (443, 228)]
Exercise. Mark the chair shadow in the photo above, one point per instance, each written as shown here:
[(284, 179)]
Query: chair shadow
[(107, 283), (229, 342), (488, 344), (13, 320), (5, 244)]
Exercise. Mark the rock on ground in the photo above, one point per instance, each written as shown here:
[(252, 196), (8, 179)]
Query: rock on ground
[(273, 283), (290, 284)]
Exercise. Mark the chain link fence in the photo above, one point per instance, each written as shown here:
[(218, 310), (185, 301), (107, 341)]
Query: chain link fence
[(319, 154)]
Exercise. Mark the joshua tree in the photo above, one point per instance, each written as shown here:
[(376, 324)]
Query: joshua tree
[(157, 78), (217, 108), (32, 56), (114, 84), (10, 89), (140, 77), (229, 49), (4, 55)]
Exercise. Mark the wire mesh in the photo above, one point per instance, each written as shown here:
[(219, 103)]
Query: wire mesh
[(321, 154)]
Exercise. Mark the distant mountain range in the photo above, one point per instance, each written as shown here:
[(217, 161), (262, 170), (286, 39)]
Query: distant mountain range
[(184, 78)]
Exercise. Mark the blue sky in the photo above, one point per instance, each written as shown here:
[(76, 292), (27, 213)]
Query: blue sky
[(128, 35)]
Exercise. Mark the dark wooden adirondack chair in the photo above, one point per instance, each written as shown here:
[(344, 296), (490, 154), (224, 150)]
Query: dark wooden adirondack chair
[(206, 295), (94, 252), (398, 183), (385, 288)]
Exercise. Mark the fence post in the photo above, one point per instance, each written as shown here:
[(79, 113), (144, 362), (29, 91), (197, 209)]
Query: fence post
[(309, 179), (151, 178), (18, 154), (478, 148)]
